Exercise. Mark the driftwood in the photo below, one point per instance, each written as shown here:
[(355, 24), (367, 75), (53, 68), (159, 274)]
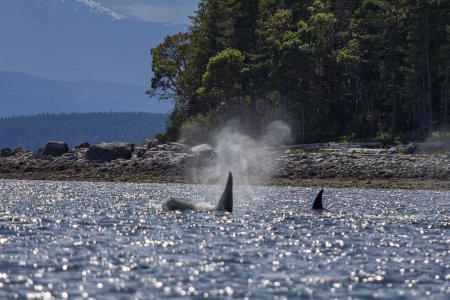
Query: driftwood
[(367, 148), (366, 151), (330, 146)]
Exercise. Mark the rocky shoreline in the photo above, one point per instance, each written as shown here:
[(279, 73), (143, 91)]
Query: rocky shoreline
[(174, 162)]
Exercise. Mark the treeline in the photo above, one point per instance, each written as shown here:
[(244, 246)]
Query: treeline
[(333, 70), (32, 132)]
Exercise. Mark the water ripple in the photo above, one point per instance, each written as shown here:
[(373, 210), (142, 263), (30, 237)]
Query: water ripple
[(102, 240)]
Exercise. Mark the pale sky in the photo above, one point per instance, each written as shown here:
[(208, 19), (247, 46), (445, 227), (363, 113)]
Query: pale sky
[(165, 11)]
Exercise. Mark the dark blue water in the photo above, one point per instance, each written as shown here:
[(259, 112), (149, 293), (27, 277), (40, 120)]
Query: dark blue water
[(104, 241)]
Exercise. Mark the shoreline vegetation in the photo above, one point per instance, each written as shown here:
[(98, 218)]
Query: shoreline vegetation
[(331, 70), (178, 163)]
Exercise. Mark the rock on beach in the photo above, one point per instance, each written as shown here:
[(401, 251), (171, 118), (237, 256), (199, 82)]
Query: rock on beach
[(175, 162), (110, 151)]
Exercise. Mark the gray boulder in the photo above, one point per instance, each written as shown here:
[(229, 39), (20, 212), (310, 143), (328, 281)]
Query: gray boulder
[(152, 144), (448, 155), (39, 153), (200, 155), (110, 151), (172, 147), (19, 151), (203, 150), (54, 148), (82, 146), (392, 150), (410, 148), (6, 152), (138, 152), (179, 147)]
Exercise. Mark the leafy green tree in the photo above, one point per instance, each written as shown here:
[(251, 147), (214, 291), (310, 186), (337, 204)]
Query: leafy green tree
[(380, 33), (240, 32), (286, 64), (206, 36), (223, 81), (169, 81), (169, 62), (345, 69)]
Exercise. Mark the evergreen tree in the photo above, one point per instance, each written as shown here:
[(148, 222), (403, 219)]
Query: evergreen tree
[(343, 69)]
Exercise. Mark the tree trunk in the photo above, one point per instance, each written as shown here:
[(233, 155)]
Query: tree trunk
[(429, 81), (394, 106), (441, 117), (444, 108), (394, 79), (424, 109), (303, 124)]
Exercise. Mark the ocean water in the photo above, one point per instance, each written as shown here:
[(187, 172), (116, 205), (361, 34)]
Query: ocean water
[(112, 241)]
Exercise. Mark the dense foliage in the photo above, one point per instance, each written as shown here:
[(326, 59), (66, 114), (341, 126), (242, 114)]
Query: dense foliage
[(333, 70), (32, 132)]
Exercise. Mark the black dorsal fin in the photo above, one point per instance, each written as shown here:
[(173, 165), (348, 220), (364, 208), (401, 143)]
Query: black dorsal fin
[(318, 201), (226, 201)]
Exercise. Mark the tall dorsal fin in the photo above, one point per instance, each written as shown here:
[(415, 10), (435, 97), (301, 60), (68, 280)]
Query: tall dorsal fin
[(226, 201), (318, 201)]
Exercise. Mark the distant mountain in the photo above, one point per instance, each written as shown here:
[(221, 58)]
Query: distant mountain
[(32, 132), (23, 94), (77, 40)]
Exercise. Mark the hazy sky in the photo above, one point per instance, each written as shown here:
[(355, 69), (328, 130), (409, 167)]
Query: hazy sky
[(156, 10)]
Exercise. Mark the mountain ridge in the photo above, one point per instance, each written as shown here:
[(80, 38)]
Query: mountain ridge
[(71, 40), (26, 94)]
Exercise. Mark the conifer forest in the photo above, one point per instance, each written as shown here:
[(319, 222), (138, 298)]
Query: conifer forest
[(340, 70)]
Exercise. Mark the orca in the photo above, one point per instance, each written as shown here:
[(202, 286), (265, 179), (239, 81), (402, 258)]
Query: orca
[(225, 203), (317, 205)]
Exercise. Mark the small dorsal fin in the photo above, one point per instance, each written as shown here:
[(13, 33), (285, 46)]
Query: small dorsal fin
[(226, 201), (318, 201)]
